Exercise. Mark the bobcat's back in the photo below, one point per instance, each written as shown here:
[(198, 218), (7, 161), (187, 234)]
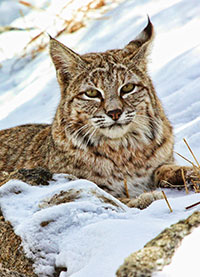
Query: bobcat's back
[(19, 144)]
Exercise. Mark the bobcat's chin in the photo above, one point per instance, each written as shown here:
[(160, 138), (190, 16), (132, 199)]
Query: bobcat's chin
[(115, 131)]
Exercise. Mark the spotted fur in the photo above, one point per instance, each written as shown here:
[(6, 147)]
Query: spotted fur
[(108, 138)]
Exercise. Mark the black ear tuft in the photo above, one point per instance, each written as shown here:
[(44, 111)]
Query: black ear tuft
[(146, 35), (149, 28), (50, 37), (137, 50)]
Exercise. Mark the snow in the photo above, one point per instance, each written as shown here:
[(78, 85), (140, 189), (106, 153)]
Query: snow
[(89, 237)]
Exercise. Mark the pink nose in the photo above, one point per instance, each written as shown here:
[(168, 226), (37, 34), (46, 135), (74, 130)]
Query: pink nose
[(115, 114)]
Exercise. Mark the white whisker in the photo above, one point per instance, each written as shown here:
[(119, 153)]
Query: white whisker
[(91, 135), (77, 133)]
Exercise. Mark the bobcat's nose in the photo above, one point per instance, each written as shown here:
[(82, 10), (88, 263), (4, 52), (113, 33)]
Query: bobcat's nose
[(115, 114)]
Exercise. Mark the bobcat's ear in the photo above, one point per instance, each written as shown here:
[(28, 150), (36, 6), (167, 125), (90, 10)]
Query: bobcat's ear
[(138, 49), (66, 61)]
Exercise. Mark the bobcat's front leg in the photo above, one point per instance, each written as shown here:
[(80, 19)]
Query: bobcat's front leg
[(171, 176)]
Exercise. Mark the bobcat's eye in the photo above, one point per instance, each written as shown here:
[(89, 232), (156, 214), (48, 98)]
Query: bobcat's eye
[(127, 88), (92, 93)]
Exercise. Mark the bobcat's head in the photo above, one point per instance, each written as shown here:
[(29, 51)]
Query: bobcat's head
[(106, 96)]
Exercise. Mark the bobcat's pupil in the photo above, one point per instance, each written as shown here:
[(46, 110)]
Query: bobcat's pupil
[(127, 88)]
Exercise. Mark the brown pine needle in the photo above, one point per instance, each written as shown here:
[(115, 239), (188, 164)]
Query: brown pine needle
[(183, 177), (193, 205), (191, 152), (165, 197), (126, 188)]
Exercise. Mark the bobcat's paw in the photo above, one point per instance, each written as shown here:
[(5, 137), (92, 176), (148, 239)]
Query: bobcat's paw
[(174, 176), (143, 200)]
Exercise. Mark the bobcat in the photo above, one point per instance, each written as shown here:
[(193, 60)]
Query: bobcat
[(109, 125)]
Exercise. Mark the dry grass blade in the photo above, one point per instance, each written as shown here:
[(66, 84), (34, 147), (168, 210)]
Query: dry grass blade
[(166, 184), (126, 188), (196, 168), (195, 186), (39, 47), (96, 4), (186, 159), (183, 176), (165, 197), (25, 3), (10, 28), (30, 6), (34, 38), (191, 153), (67, 24)]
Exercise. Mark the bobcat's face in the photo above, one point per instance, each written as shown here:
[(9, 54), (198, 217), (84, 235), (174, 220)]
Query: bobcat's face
[(106, 96), (107, 100)]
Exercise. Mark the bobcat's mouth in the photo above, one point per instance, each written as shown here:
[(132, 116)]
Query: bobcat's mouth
[(115, 130), (114, 125)]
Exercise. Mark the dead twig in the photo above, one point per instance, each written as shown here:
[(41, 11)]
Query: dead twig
[(193, 205)]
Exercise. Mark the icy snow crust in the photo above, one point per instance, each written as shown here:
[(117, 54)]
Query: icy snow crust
[(87, 236)]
